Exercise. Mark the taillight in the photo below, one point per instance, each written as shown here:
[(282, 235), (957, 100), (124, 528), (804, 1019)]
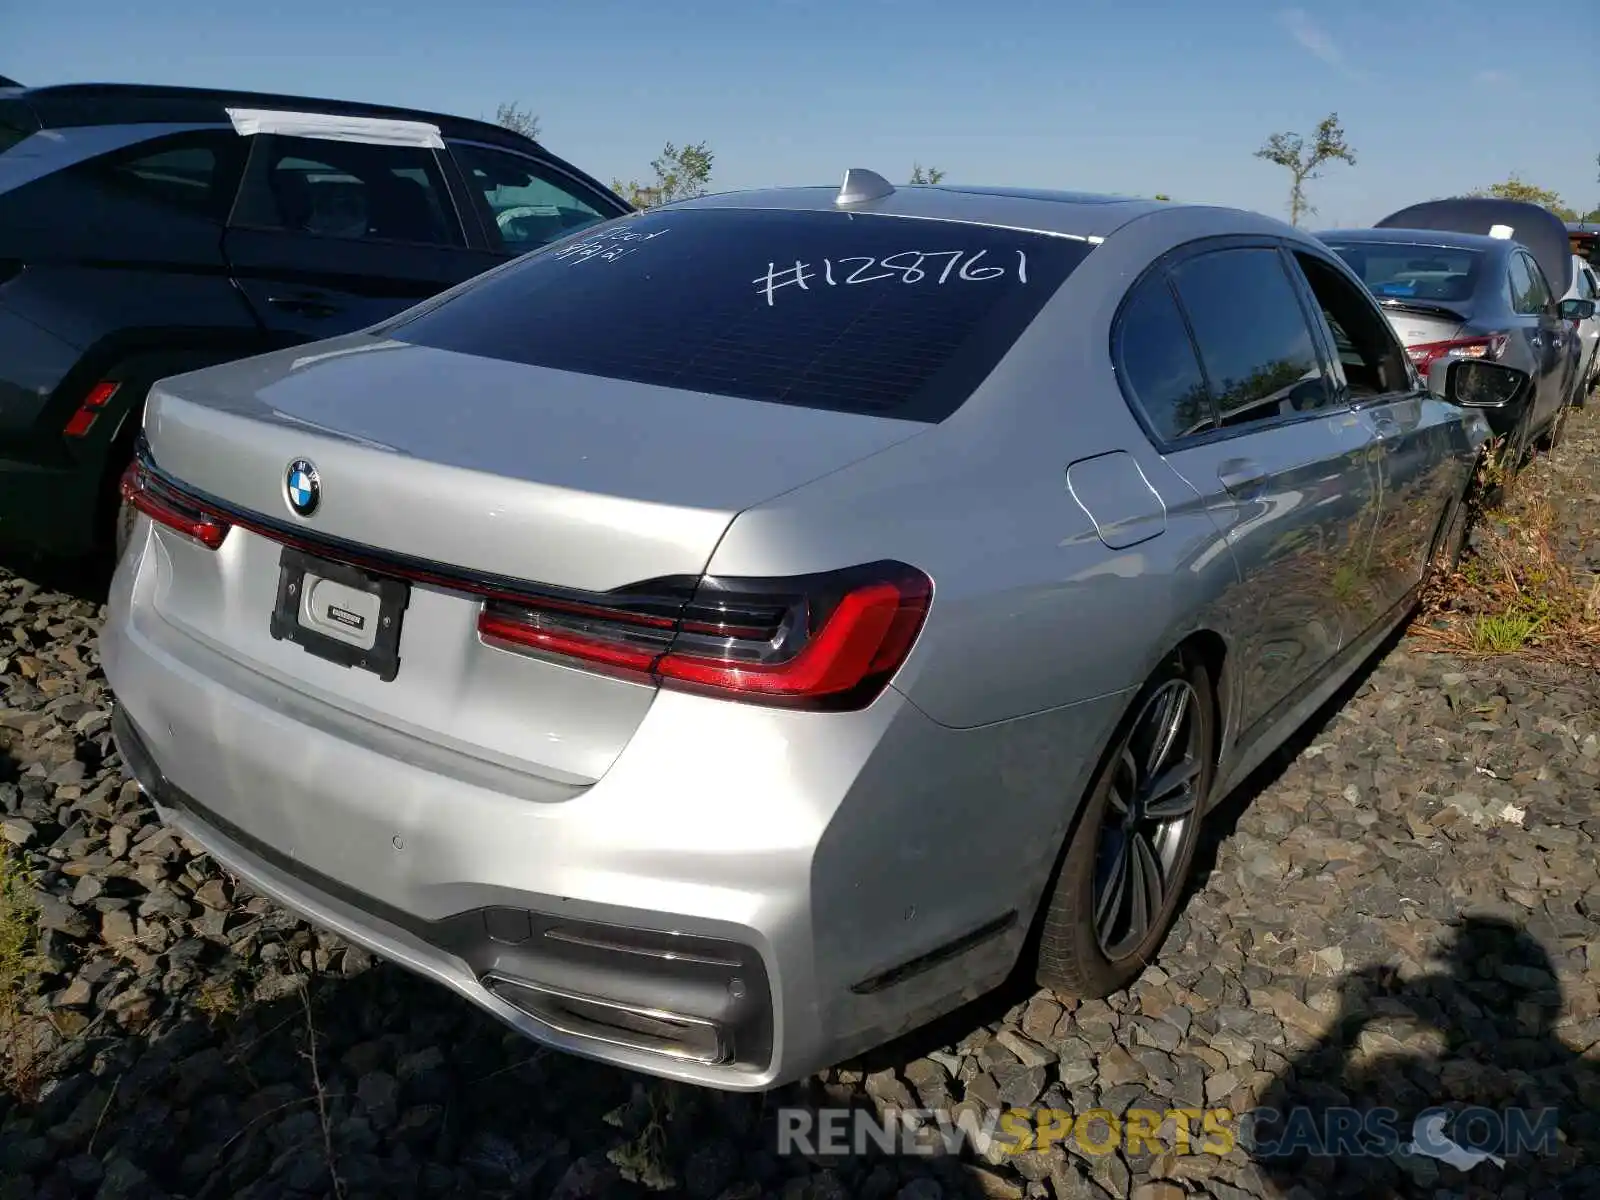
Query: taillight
[(89, 411), (1424, 354), (171, 508), (830, 641)]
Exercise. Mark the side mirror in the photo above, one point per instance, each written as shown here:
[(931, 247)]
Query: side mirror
[(1474, 383), (1577, 310)]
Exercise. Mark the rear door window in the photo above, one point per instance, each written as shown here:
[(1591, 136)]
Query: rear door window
[(1259, 356), (1369, 354), (842, 311), (348, 190)]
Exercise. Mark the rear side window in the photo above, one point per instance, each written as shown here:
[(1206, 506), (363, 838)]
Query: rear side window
[(182, 175), (1255, 344), (348, 190), (1157, 363), (830, 310)]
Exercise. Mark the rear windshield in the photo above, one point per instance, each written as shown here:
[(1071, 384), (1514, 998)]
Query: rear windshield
[(828, 310), (1406, 271)]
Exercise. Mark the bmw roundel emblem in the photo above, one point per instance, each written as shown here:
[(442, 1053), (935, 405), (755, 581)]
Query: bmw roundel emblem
[(303, 487)]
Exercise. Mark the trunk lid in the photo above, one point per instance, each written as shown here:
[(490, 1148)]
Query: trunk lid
[(496, 471), (1416, 323)]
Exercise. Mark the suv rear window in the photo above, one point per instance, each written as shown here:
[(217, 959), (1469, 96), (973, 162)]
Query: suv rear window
[(829, 310), (1406, 271)]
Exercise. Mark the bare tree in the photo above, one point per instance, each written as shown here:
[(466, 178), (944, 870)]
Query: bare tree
[(518, 120), (921, 174), (1290, 151)]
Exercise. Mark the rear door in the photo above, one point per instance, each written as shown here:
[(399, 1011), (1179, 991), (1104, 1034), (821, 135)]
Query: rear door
[(1543, 335), (332, 235), (1255, 424), (1419, 439)]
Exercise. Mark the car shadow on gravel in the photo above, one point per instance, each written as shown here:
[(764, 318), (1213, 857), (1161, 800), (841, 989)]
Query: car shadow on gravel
[(1451, 1083), (87, 578)]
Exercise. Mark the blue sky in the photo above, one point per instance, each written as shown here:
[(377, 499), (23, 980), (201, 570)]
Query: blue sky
[(1100, 96)]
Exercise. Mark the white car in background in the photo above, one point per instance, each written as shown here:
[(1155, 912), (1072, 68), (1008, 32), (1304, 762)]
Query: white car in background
[(1586, 286)]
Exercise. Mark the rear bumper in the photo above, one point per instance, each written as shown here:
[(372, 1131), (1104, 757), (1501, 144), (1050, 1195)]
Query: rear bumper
[(746, 896)]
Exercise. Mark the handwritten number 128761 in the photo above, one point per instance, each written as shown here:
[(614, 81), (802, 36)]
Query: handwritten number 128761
[(908, 266)]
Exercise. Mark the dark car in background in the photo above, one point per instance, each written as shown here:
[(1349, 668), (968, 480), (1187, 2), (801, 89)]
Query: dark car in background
[(1455, 293), (149, 231), (1584, 238)]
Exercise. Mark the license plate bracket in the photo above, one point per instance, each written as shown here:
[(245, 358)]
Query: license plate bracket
[(361, 612)]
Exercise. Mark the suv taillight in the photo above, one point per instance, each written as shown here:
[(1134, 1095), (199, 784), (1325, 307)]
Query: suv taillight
[(171, 508), (830, 641), (1424, 354)]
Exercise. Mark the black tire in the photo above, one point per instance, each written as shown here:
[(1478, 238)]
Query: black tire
[(1078, 954)]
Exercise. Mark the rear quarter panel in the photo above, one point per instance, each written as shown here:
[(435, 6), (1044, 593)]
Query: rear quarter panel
[(1032, 610)]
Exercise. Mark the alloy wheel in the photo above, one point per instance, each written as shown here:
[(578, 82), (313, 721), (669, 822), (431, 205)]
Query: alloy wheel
[(1153, 801)]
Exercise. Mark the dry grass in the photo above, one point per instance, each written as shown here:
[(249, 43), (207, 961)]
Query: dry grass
[(1514, 593), (19, 933)]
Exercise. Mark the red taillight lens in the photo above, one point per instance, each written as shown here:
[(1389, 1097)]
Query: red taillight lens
[(1424, 354), (171, 508), (83, 420), (828, 641)]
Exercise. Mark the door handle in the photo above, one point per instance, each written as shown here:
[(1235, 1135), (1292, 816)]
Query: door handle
[(306, 306), (1242, 477)]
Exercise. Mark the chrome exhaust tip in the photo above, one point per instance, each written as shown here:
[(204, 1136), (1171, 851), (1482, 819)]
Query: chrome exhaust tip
[(614, 1022)]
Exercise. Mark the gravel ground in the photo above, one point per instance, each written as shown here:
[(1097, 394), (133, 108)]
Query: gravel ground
[(1403, 910)]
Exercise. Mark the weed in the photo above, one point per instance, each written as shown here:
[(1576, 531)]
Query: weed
[(1504, 633), (644, 1159), (1512, 593), (19, 933)]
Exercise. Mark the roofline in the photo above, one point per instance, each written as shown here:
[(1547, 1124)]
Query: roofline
[(1082, 216), (1435, 237), (227, 96)]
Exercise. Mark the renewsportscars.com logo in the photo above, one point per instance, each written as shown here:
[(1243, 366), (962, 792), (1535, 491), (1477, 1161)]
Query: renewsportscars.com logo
[(1461, 1137)]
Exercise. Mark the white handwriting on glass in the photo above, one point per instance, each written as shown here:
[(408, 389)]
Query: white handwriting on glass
[(908, 266), (607, 246)]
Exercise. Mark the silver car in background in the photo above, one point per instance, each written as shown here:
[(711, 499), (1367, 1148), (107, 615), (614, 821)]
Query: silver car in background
[(739, 633), (1586, 286)]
